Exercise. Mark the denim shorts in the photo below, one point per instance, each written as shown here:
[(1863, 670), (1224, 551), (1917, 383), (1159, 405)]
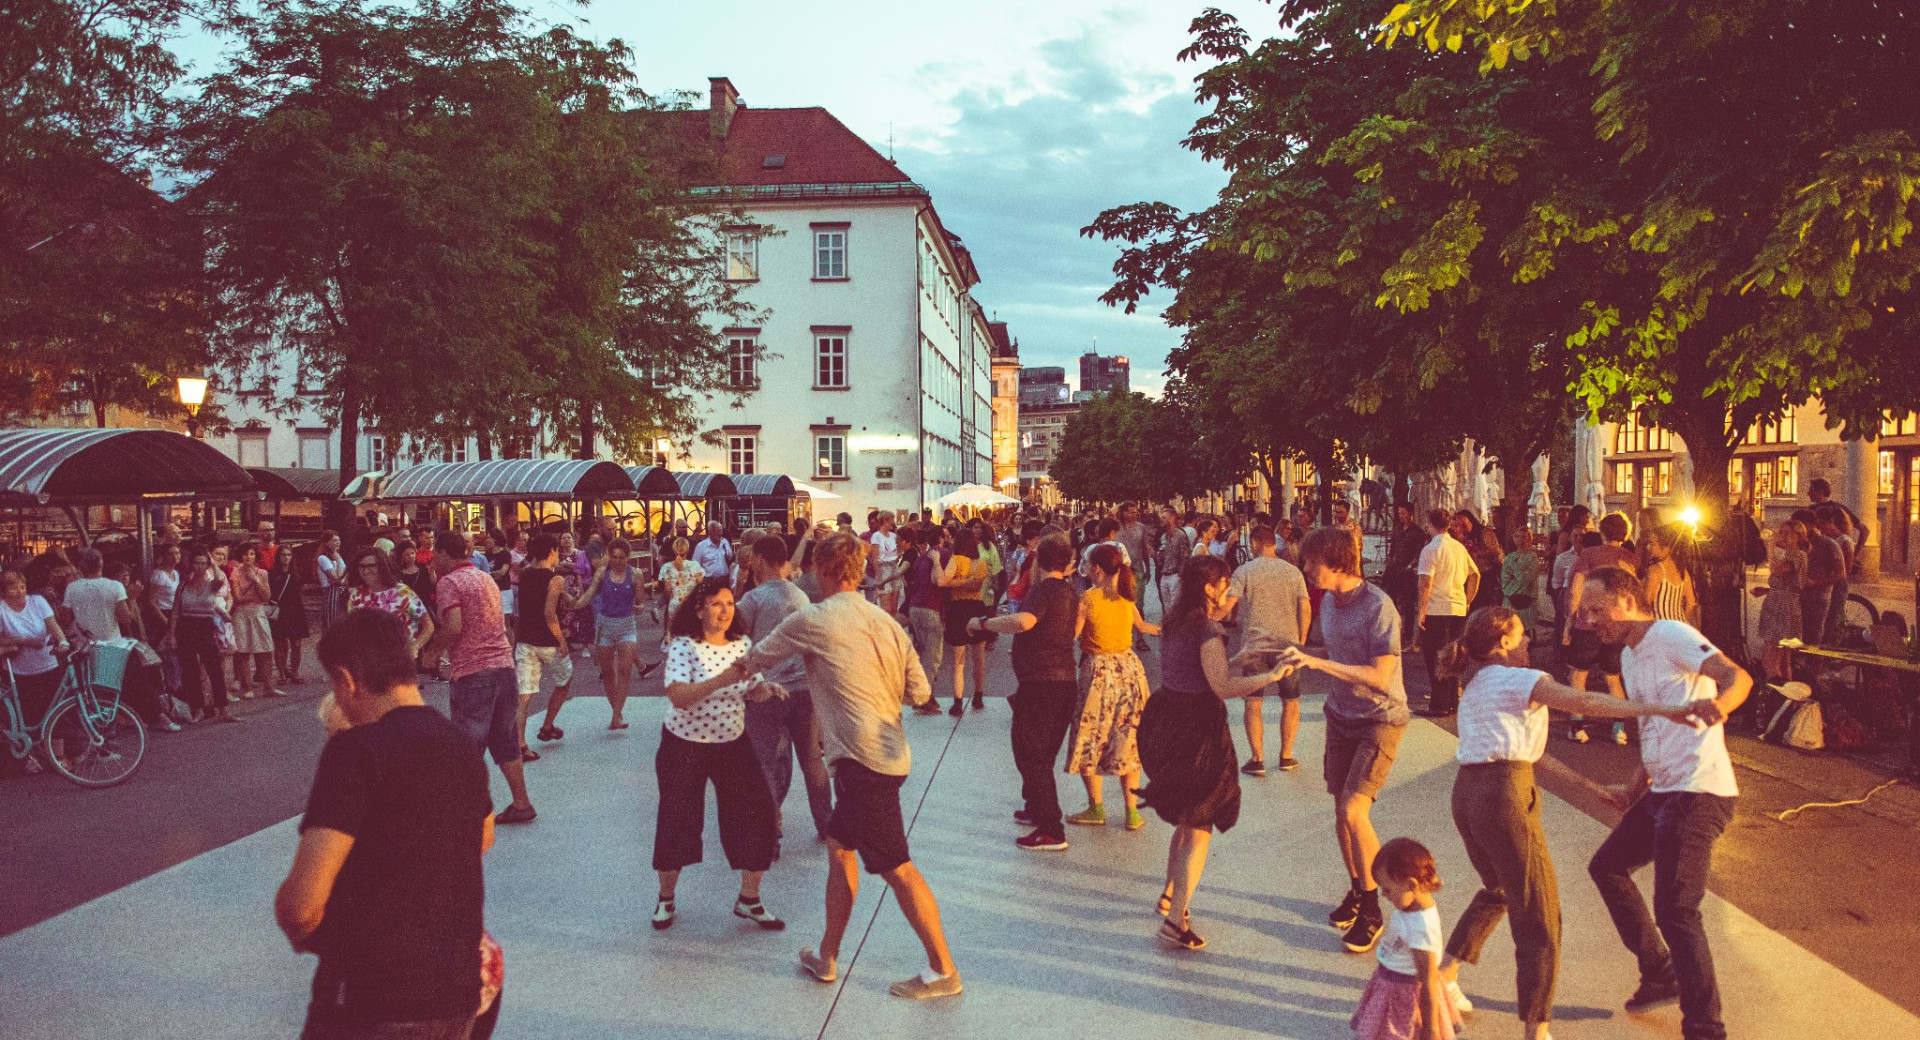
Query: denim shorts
[(612, 631), (485, 706)]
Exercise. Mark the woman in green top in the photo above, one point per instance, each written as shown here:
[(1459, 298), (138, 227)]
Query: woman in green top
[(1520, 578)]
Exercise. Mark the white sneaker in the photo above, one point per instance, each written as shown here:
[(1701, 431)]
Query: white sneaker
[(1460, 1002)]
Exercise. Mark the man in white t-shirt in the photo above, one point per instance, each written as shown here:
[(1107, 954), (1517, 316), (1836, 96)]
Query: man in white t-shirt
[(1269, 596), (99, 605), (714, 553), (1676, 808), (1447, 582)]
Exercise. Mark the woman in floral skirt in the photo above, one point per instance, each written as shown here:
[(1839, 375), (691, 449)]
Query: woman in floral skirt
[(1113, 687)]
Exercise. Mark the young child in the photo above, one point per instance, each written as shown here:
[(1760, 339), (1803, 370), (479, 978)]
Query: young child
[(1407, 998)]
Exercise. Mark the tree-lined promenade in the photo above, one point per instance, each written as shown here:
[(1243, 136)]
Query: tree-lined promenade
[(1482, 220)]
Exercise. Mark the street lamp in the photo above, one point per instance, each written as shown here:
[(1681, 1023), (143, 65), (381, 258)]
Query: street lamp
[(193, 393)]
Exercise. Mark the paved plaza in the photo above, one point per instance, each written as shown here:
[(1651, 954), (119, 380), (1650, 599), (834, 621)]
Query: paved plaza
[(1050, 944)]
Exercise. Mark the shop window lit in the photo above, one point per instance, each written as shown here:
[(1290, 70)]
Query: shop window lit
[(1787, 480), (1647, 477), (1900, 424), (1631, 435), (1736, 478), (1665, 478), (1623, 479), (1783, 430), (1887, 472), (1763, 479), (1913, 489)]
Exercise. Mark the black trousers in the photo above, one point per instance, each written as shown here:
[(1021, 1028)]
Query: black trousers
[(683, 768), (1043, 711), (1443, 692), (199, 652)]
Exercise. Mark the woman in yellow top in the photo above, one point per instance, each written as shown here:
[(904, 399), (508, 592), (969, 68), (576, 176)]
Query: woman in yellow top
[(1113, 686), (964, 578)]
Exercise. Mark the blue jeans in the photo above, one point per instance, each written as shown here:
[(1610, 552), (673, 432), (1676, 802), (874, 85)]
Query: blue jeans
[(486, 706), (1675, 832), (779, 729)]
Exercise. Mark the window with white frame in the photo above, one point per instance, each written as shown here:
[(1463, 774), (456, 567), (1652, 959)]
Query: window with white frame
[(377, 452), (830, 253), (743, 255), (252, 447), (741, 349), (742, 448), (830, 360), (830, 455), (315, 452)]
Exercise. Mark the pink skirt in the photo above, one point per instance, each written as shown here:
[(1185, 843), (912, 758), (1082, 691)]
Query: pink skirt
[(1389, 1007)]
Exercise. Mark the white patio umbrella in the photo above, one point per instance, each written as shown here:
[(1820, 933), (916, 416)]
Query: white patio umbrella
[(1589, 468), (975, 495), (817, 494), (1540, 502)]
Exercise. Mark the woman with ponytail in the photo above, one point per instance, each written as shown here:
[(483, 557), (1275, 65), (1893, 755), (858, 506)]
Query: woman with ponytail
[(1113, 686), (1503, 732)]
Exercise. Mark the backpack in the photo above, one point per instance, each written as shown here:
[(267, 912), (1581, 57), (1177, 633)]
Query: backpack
[(1805, 729)]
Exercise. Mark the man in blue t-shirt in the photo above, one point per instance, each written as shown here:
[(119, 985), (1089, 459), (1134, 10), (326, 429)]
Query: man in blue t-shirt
[(1366, 714)]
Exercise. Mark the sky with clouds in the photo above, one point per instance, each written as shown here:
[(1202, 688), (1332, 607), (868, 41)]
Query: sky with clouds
[(1024, 120)]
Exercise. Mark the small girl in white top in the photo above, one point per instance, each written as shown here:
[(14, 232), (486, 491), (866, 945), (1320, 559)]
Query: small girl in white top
[(1406, 997), (704, 739)]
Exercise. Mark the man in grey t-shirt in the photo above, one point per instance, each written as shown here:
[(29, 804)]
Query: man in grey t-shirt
[(1269, 595), (1366, 714), (780, 728)]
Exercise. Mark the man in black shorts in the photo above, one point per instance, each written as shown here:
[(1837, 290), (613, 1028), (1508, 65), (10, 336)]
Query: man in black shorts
[(861, 668)]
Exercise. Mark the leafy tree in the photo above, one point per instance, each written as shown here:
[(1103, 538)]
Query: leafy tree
[(1129, 447), (98, 292), (456, 223)]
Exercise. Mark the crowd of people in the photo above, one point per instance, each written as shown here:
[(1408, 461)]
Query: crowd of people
[(804, 646)]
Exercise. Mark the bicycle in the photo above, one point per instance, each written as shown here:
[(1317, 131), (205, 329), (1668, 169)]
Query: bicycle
[(89, 739)]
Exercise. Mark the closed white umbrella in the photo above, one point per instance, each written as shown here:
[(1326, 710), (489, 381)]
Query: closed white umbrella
[(1541, 501), (1589, 468)]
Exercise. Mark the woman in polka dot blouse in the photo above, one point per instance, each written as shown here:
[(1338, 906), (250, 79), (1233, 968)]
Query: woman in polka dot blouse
[(705, 739)]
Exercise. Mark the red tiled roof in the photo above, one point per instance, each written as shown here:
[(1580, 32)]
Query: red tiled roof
[(819, 149)]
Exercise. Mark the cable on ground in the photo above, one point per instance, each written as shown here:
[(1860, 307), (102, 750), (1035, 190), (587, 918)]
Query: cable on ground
[(1786, 817)]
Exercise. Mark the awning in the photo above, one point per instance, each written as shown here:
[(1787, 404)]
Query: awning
[(706, 485), (287, 485), (653, 482), (818, 494), (765, 485), (507, 478), (38, 467), (973, 495)]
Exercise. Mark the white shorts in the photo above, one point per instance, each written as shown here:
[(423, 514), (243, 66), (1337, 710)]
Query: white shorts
[(530, 662)]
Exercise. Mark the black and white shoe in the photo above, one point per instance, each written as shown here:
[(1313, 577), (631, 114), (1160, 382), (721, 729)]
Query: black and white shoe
[(1346, 913), (1365, 931), (758, 914), (663, 915)]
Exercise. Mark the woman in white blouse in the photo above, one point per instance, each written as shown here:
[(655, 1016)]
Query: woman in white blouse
[(1503, 732), (705, 739), (331, 568)]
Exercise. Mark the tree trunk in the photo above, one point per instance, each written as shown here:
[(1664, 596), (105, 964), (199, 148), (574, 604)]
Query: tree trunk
[(589, 431), (484, 446), (340, 514)]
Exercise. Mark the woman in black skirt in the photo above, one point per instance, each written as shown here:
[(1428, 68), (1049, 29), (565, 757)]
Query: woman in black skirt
[(1192, 768), (287, 614)]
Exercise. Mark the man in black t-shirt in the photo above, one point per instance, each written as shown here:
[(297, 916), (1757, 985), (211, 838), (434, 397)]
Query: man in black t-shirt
[(1049, 691), (386, 886)]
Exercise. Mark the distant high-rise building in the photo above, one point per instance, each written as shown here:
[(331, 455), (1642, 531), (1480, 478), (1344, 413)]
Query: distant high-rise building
[(1102, 375)]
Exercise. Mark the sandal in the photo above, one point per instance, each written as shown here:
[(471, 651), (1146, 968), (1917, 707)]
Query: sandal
[(663, 915), (619, 725), (1165, 905), (528, 754), (551, 733)]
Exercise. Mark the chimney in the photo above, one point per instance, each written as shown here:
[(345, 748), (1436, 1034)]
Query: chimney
[(722, 102)]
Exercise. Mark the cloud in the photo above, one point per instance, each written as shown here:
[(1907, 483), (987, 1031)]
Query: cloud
[(1021, 168)]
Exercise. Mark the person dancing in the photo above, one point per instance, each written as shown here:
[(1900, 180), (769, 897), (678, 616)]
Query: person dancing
[(1114, 686), (1193, 770)]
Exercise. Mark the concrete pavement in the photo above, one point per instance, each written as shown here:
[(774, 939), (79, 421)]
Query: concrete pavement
[(1051, 945)]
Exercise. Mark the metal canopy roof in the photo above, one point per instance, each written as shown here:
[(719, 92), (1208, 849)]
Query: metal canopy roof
[(706, 485), (282, 484), (769, 485), (653, 482), (507, 478), (38, 467)]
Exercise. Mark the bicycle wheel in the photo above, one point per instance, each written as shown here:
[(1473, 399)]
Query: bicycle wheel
[(98, 749)]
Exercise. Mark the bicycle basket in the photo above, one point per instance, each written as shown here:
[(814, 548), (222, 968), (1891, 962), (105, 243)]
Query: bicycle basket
[(110, 666)]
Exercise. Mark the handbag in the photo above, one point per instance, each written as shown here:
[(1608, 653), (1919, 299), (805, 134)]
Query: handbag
[(223, 634)]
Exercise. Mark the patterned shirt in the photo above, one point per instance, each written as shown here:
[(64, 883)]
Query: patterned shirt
[(482, 643), (720, 716), (399, 601)]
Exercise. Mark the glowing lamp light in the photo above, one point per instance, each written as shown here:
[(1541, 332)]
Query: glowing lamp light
[(1690, 516), (193, 393)]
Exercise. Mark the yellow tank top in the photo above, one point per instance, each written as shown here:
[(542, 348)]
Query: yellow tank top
[(964, 568), (1109, 628)]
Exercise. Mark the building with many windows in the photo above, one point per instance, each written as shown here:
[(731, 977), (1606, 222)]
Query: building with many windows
[(874, 374), (1879, 479), (1104, 375), (1006, 409)]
